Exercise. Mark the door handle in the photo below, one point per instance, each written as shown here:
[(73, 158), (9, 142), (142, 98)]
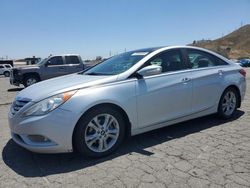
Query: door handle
[(61, 67), (186, 79)]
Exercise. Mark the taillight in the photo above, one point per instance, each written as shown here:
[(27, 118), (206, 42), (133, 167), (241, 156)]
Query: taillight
[(243, 72)]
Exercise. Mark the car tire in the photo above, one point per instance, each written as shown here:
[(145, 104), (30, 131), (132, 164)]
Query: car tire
[(228, 104), (29, 80), (7, 74), (99, 132)]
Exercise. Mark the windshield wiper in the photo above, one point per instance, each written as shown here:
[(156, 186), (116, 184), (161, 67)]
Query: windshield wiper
[(97, 73), (92, 73)]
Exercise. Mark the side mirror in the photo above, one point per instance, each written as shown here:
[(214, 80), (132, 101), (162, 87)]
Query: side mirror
[(150, 70), (47, 63)]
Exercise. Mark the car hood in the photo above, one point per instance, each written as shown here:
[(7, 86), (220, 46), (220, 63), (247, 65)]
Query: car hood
[(61, 84)]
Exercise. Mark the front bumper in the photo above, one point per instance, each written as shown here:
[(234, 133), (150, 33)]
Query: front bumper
[(15, 79), (55, 127)]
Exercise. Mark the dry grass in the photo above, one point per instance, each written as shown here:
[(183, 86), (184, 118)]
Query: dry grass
[(234, 45)]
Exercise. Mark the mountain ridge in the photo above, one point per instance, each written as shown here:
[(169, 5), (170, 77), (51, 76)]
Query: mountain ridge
[(235, 45)]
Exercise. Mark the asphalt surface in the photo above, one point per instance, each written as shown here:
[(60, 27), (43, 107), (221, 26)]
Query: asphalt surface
[(205, 152)]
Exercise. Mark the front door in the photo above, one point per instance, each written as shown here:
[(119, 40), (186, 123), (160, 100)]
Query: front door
[(167, 96), (54, 67)]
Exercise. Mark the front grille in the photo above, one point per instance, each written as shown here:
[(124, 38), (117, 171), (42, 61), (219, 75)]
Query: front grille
[(14, 72), (17, 105), (11, 73)]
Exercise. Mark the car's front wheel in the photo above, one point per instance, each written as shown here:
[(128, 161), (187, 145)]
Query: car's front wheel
[(6, 74), (228, 103), (30, 80), (99, 132)]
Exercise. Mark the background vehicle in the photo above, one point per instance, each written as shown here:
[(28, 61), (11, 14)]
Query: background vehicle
[(245, 62), (128, 94), (5, 69), (51, 67)]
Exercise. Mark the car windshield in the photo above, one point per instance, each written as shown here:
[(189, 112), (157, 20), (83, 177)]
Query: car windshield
[(118, 64)]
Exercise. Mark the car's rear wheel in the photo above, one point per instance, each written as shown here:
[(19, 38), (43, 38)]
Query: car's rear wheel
[(6, 74), (99, 132), (30, 80), (228, 103)]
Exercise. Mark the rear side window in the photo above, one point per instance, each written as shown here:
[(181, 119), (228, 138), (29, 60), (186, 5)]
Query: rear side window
[(200, 59), (72, 60), (8, 66), (1, 66), (57, 60), (170, 60)]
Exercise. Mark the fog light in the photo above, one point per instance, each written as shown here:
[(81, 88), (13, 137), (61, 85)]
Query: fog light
[(38, 138)]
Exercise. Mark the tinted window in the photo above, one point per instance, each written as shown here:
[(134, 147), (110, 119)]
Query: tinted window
[(170, 60), (72, 60), (55, 61), (8, 66), (200, 59), (1, 66)]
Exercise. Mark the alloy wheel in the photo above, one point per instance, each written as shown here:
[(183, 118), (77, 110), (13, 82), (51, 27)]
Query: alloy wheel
[(31, 81), (101, 133), (229, 103)]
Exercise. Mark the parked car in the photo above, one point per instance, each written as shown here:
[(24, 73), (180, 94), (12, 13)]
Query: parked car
[(245, 62), (128, 94), (5, 69), (51, 67)]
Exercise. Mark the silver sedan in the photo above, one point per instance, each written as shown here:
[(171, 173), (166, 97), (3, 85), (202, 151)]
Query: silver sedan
[(131, 93)]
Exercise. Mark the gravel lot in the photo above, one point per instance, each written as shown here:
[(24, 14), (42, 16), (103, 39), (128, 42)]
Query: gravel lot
[(204, 152)]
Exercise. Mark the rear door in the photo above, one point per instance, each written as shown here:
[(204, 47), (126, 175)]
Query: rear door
[(167, 96), (207, 78), (73, 64), (54, 67)]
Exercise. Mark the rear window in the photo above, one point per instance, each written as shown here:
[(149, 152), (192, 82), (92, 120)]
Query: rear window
[(201, 59), (72, 60)]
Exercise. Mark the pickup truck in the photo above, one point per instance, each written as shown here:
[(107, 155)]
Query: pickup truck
[(51, 67)]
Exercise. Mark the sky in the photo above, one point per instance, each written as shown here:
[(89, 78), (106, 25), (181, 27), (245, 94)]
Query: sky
[(106, 27)]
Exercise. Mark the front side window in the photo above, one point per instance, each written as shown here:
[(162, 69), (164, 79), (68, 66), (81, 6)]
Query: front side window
[(170, 60), (7, 66), (55, 61), (200, 59)]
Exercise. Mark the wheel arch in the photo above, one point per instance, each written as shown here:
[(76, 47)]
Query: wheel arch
[(112, 105), (238, 93), (6, 71), (25, 75)]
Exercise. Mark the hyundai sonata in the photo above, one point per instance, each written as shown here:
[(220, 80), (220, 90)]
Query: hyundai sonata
[(128, 94)]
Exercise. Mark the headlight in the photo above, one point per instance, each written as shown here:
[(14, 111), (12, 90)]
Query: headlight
[(47, 105)]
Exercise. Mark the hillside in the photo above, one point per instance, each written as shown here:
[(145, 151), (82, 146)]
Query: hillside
[(234, 45)]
